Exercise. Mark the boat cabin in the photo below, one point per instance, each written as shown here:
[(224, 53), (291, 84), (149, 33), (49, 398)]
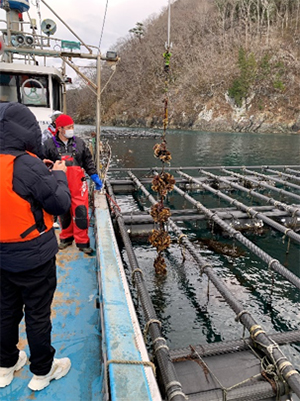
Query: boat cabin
[(38, 87)]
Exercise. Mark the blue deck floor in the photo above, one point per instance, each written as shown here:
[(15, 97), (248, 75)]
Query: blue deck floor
[(75, 335)]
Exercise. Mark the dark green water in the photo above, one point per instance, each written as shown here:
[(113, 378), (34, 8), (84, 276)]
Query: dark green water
[(209, 149), (188, 315)]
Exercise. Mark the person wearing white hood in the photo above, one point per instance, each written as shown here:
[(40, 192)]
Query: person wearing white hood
[(51, 129)]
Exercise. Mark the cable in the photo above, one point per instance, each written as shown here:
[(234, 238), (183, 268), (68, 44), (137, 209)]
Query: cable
[(104, 18)]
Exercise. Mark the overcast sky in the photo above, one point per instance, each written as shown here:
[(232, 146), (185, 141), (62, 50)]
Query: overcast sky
[(85, 17)]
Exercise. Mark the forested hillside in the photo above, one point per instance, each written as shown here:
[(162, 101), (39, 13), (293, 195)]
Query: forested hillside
[(234, 66)]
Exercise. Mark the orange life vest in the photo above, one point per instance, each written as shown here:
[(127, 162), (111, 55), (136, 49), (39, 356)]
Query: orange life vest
[(17, 220)]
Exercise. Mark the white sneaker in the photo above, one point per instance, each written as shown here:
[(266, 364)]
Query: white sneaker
[(60, 368), (55, 225), (7, 374)]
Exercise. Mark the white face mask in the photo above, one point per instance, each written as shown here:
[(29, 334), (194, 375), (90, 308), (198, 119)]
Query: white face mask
[(69, 133)]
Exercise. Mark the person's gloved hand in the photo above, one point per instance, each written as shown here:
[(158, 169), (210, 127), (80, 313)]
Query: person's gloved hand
[(97, 181)]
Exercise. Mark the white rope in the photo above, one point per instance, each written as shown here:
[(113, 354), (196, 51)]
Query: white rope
[(109, 79)]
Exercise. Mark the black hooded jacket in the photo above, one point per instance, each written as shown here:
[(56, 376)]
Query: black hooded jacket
[(20, 132), (75, 146)]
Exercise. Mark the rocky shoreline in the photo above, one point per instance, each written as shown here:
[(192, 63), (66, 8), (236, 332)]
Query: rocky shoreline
[(260, 123), (232, 119)]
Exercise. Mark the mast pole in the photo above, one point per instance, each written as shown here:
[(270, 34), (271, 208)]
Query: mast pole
[(64, 93), (169, 26), (98, 112)]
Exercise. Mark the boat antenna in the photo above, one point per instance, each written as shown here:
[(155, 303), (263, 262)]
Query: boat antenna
[(104, 19), (37, 5)]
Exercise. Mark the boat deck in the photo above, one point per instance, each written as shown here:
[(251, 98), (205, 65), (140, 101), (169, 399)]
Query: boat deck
[(95, 325), (75, 334)]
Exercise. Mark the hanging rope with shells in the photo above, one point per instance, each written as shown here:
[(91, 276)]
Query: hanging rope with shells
[(163, 182)]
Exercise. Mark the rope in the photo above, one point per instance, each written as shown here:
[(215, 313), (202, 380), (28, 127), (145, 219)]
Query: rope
[(225, 390), (171, 384), (251, 212), (112, 201), (281, 366), (284, 365), (271, 369), (109, 79), (125, 362), (160, 347), (163, 182), (269, 374), (271, 262), (239, 315), (203, 267), (180, 238), (158, 339), (182, 247), (177, 392), (133, 273), (146, 329), (285, 233), (255, 331), (289, 374)]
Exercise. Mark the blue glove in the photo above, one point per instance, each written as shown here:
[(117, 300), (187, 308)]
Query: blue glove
[(97, 181)]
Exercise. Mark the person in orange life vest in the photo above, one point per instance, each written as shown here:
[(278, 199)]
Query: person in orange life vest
[(30, 195), (51, 129), (65, 146)]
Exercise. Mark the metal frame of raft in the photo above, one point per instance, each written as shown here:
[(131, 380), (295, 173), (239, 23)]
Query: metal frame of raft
[(277, 204), (272, 263), (258, 337), (172, 387)]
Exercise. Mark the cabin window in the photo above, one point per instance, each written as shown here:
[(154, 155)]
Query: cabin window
[(31, 90), (56, 95), (34, 90), (8, 88)]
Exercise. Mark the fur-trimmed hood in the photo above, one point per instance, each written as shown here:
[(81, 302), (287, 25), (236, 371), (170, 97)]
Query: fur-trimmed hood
[(19, 129)]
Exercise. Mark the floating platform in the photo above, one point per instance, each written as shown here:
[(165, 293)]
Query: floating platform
[(256, 197)]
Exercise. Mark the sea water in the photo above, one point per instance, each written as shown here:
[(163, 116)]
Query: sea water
[(190, 308)]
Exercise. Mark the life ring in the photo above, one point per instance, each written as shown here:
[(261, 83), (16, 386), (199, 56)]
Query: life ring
[(32, 94)]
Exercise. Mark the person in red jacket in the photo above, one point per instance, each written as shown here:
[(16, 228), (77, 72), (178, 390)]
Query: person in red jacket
[(73, 150)]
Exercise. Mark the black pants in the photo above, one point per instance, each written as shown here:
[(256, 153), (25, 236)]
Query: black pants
[(31, 291)]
